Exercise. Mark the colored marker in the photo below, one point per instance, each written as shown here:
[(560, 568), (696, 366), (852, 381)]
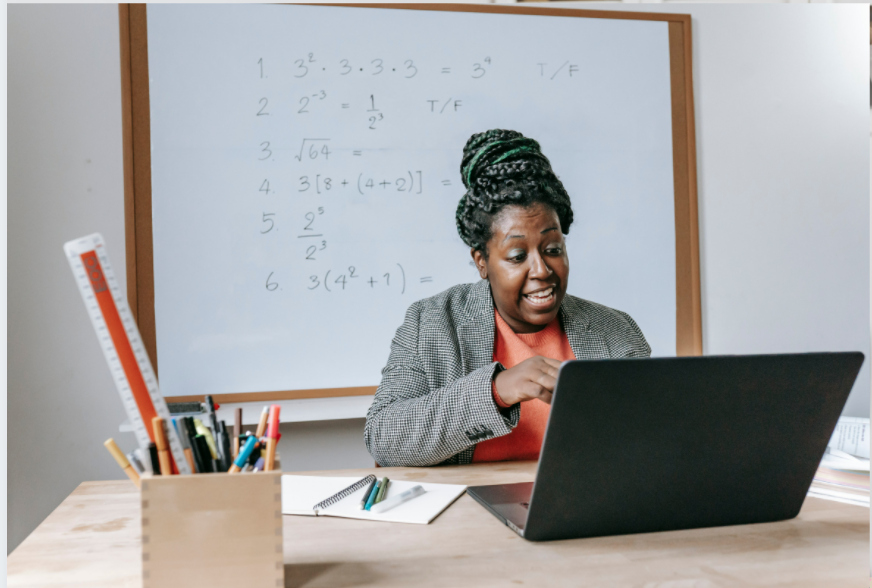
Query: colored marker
[(243, 455), (383, 491), (257, 453), (258, 466), (371, 500), (152, 457), (398, 499), (272, 437), (160, 438), (367, 493), (122, 461)]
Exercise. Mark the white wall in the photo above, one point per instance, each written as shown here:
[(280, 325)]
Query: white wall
[(65, 180), (782, 118), (784, 219)]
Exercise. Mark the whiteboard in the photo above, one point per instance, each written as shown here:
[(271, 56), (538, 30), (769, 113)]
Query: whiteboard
[(305, 174)]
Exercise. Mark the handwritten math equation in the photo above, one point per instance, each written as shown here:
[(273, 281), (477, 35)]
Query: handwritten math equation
[(316, 171), (349, 277), (309, 66)]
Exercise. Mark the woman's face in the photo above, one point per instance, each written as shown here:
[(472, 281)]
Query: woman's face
[(526, 265)]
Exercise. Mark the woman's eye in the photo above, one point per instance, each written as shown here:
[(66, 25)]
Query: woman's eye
[(554, 251), (518, 257)]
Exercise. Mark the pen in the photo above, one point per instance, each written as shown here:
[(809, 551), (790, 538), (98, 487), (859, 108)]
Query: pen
[(258, 466), (191, 434), (184, 442), (243, 455), (210, 441), (366, 494), (272, 437), (381, 490), (261, 425), (160, 438), (223, 442), (237, 431), (213, 421), (134, 461), (398, 499), (152, 457), (122, 461), (203, 448), (371, 500)]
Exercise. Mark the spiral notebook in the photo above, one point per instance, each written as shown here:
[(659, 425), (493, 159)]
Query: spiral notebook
[(340, 497)]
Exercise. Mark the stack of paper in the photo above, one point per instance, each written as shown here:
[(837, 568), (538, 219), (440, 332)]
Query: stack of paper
[(843, 475), (841, 486)]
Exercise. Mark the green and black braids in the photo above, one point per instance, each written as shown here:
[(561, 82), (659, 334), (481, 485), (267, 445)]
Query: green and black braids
[(503, 168)]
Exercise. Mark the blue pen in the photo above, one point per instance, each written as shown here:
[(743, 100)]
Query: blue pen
[(372, 495), (244, 453)]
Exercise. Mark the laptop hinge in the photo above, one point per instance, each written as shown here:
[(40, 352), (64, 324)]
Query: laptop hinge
[(514, 527)]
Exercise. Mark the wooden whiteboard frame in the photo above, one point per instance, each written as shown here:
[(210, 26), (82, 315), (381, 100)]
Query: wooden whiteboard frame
[(136, 129)]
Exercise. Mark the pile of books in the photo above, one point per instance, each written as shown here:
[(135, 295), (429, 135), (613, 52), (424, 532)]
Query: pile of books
[(843, 474)]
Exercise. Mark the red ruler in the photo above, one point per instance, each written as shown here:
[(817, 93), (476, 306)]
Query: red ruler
[(121, 342)]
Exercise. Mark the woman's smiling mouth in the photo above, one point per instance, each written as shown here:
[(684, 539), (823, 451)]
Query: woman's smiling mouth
[(541, 298)]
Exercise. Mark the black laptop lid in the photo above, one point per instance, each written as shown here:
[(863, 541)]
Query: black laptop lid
[(639, 445)]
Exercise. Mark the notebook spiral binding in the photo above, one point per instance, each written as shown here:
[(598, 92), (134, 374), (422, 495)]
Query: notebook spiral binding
[(343, 493)]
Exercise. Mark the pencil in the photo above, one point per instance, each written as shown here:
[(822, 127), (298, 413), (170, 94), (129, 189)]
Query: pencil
[(122, 461), (261, 425), (160, 439)]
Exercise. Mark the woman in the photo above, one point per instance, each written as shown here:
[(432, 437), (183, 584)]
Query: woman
[(471, 370)]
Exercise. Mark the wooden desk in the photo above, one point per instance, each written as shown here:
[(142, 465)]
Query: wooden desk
[(93, 539)]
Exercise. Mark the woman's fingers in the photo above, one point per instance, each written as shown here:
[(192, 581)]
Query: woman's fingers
[(548, 368), (546, 381), (555, 363)]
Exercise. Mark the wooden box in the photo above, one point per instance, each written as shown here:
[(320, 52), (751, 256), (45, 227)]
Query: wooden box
[(212, 530)]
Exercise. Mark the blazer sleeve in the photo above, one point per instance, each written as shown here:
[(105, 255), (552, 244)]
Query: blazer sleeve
[(638, 344), (411, 424)]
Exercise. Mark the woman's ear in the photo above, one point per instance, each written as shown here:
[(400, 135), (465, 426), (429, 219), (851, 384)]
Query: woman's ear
[(480, 264)]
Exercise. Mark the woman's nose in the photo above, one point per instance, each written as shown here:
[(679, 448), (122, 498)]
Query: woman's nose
[(539, 270)]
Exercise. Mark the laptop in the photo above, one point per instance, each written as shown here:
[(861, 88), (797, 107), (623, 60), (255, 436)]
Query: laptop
[(644, 445)]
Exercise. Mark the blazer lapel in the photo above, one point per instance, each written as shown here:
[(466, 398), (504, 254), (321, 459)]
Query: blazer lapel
[(476, 334), (585, 344)]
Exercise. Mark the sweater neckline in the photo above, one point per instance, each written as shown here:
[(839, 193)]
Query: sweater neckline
[(529, 339)]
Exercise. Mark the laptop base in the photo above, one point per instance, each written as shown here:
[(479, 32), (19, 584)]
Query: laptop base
[(508, 502)]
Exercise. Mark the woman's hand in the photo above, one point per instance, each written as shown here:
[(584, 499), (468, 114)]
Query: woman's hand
[(532, 378)]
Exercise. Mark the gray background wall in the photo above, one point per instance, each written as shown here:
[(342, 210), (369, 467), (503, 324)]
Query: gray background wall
[(782, 127)]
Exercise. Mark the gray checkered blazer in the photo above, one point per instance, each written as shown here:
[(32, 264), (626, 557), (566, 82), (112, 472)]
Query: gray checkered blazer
[(434, 402)]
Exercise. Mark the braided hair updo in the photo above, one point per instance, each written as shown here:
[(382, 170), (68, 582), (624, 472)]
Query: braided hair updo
[(504, 168)]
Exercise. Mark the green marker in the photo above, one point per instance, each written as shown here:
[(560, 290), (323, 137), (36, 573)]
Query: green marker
[(381, 490)]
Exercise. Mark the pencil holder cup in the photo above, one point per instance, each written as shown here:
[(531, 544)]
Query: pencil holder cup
[(212, 530)]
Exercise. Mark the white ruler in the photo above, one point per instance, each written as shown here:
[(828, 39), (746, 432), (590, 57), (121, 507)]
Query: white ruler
[(121, 343)]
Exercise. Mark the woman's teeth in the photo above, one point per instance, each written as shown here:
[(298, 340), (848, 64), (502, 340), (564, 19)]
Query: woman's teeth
[(541, 297)]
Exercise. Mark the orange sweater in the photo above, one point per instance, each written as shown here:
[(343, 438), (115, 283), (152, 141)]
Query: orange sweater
[(510, 349)]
